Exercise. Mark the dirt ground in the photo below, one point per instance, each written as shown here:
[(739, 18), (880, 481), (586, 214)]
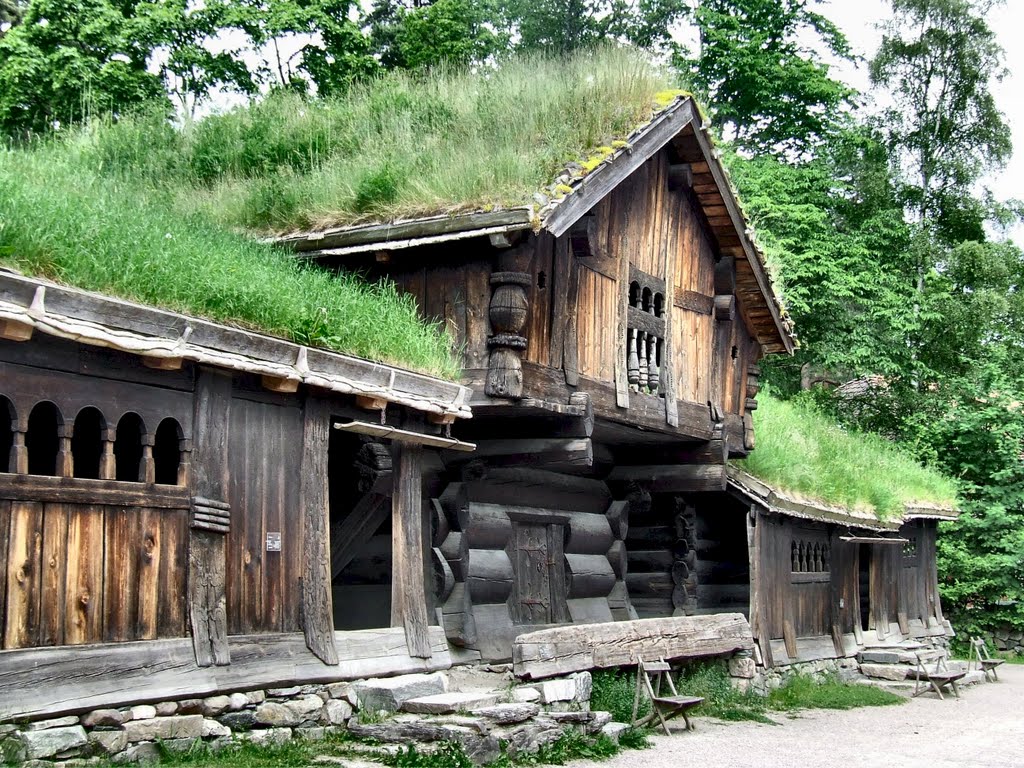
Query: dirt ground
[(983, 728)]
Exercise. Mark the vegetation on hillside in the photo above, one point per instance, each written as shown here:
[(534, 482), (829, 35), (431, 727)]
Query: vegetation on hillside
[(802, 452)]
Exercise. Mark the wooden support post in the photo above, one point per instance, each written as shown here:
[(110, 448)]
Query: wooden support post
[(147, 467), (408, 589), (108, 462), (207, 591), (317, 610)]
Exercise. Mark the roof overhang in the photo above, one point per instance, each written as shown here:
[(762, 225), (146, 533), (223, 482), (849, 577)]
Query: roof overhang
[(163, 339)]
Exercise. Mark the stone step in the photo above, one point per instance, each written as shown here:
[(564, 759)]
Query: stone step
[(389, 693), (449, 703)]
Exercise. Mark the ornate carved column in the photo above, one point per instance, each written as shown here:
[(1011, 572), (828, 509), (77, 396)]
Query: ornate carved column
[(508, 312)]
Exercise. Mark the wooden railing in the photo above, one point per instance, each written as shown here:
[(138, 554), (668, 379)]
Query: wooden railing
[(645, 334)]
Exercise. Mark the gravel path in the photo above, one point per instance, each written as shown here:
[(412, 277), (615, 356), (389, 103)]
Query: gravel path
[(984, 728)]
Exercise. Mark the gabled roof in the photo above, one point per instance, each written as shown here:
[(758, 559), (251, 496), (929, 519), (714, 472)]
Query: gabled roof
[(577, 191), (29, 304)]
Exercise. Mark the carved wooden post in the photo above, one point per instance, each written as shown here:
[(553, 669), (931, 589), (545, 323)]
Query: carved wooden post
[(750, 404), (317, 611), (19, 451), (64, 464), (211, 520), (147, 467), (408, 586), (108, 462), (508, 313)]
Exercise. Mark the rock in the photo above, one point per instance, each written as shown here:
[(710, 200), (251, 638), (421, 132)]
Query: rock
[(51, 741), (556, 690), (190, 706), (174, 727), (179, 745), (166, 708), (345, 762), (143, 712), (56, 722), (146, 752), (256, 697), (109, 742), (882, 657), (741, 684), (598, 721), (273, 713), (742, 667), (526, 694), (530, 736), (272, 736), (237, 701), (387, 694), (311, 733), (214, 705), (284, 693), (973, 677), (397, 732), (614, 730), (106, 717), (884, 671), (448, 703), (239, 721), (506, 714), (339, 690), (337, 712), (306, 708), (584, 687), (211, 729)]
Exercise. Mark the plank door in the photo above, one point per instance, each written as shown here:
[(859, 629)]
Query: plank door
[(538, 595)]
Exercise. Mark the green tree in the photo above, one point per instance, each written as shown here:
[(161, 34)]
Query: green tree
[(759, 78), (454, 31), (68, 59), (10, 15)]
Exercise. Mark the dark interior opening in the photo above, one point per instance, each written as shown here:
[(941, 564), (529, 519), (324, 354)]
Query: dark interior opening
[(87, 443), (542, 280), (7, 417), (128, 448), (167, 452), (42, 439), (864, 583)]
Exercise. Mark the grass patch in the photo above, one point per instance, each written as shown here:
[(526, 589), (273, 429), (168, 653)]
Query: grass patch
[(614, 691), (66, 221), (710, 679), (401, 144), (803, 692), (804, 453)]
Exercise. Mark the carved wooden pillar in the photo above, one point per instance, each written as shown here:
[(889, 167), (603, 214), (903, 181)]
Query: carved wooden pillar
[(108, 464), (750, 404), (64, 464), (147, 467), (19, 451), (508, 312)]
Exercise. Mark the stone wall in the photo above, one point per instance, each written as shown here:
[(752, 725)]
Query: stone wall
[(1006, 640)]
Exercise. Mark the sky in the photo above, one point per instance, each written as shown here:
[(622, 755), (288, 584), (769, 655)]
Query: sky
[(859, 20)]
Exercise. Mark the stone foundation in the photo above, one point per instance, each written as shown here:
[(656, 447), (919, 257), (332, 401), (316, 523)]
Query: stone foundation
[(1005, 640)]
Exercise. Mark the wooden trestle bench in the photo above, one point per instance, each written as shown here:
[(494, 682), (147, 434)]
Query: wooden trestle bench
[(938, 677), (662, 707), (985, 662)]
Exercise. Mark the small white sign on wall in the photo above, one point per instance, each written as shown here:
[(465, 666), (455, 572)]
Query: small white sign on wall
[(273, 541)]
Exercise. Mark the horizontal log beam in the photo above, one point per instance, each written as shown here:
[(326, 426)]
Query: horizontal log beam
[(533, 452), (563, 650), (673, 478)]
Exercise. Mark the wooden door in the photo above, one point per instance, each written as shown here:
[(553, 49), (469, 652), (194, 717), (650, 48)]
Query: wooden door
[(538, 595)]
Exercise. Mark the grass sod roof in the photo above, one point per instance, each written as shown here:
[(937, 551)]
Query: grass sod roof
[(806, 456)]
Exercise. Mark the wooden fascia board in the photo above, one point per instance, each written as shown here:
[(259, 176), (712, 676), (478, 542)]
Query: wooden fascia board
[(607, 177), (736, 216), (464, 225), (98, 320)]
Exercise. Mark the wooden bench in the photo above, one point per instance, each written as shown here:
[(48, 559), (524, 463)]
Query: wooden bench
[(985, 662), (938, 677), (662, 707)]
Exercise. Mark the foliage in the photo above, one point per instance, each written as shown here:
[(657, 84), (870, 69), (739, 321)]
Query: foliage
[(803, 452), (710, 680), (443, 32), (614, 692), (804, 692), (758, 75), (402, 144), (64, 220), (68, 59), (571, 745), (449, 754)]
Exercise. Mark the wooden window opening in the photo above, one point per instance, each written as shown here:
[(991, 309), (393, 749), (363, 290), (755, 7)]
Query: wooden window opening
[(645, 335), (167, 452), (8, 418), (43, 438), (87, 443), (128, 448)]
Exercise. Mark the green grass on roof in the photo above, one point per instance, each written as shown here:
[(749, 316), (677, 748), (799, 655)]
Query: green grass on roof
[(400, 145), (803, 453), (60, 218)]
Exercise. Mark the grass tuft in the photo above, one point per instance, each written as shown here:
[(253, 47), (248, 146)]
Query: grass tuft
[(802, 452), (803, 692), (614, 691)]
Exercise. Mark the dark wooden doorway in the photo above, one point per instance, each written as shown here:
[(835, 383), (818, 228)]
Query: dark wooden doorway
[(864, 584)]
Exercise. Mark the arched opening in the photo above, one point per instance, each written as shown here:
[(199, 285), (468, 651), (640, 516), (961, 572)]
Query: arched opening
[(87, 443), (647, 299), (43, 439), (167, 452), (128, 448), (634, 294), (7, 417), (659, 305)]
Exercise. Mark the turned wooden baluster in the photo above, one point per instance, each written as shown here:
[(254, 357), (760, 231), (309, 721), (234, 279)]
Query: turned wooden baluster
[(642, 353), (796, 558), (632, 362)]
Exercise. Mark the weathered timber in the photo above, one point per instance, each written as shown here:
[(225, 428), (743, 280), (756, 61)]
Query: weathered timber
[(68, 490), (348, 538), (489, 576), (533, 452), (589, 575), (317, 613), (408, 589), (47, 682), (672, 478), (563, 650), (207, 590), (618, 518), (589, 534)]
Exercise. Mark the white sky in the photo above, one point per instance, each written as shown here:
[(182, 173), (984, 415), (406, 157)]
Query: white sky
[(859, 20)]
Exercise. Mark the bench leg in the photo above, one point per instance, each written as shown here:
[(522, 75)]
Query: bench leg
[(938, 689), (956, 688), (662, 718), (686, 717), (995, 676)]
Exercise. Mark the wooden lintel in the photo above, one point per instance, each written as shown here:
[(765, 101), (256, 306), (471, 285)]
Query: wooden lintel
[(372, 402), (441, 418), (578, 451), (15, 330), (382, 257), (500, 240), (162, 363), (673, 478), (280, 384)]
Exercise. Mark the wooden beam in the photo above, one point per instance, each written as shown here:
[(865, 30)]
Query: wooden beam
[(673, 478), (15, 330), (280, 384), (408, 589), (357, 528), (207, 555), (534, 452), (371, 402), (162, 363), (562, 650), (317, 611), (680, 176)]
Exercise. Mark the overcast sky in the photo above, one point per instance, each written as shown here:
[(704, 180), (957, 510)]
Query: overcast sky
[(859, 20)]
